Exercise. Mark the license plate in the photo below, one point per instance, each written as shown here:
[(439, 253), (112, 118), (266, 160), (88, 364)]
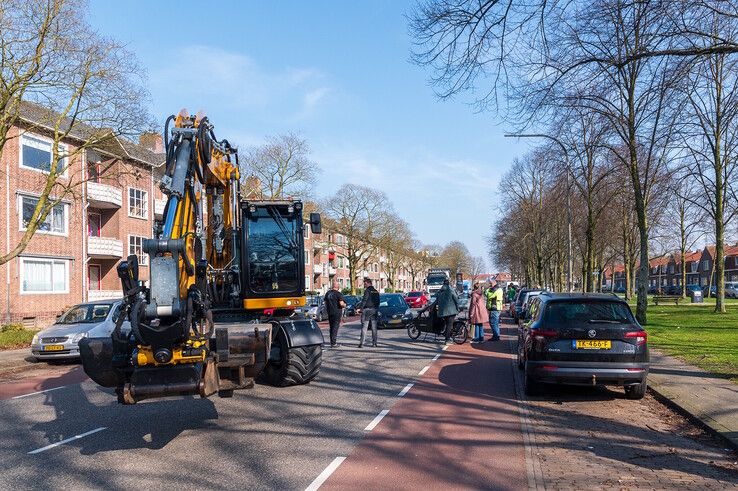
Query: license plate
[(54, 347), (592, 344), (395, 321)]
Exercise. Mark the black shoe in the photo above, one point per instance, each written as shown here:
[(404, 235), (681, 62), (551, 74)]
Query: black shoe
[(360, 346), (374, 345), (495, 338), (335, 345)]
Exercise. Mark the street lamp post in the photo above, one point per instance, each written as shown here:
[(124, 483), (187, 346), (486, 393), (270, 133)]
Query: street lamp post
[(568, 198)]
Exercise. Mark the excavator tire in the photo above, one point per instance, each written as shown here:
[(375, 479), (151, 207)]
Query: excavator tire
[(299, 364)]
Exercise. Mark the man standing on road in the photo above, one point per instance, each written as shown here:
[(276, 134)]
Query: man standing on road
[(369, 306), (448, 306), (334, 304), (494, 306)]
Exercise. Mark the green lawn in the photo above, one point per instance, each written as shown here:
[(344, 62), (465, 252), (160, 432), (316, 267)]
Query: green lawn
[(14, 336), (697, 335)]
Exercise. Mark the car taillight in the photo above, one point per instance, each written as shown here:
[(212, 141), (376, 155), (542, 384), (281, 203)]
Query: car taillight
[(545, 334), (640, 336)]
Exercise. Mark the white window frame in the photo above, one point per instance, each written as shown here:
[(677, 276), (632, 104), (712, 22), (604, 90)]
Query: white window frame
[(21, 275), (23, 228), (145, 200), (307, 258), (24, 139), (143, 258)]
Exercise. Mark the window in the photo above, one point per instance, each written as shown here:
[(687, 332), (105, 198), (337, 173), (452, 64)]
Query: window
[(94, 277), (40, 275), (307, 257), (36, 154), (93, 171), (706, 265), (56, 220), (135, 246), (137, 203), (94, 224), (307, 282)]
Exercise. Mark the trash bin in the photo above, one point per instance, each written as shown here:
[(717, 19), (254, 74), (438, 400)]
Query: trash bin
[(697, 297)]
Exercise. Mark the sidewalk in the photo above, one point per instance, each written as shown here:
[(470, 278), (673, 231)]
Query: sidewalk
[(15, 360), (704, 396)]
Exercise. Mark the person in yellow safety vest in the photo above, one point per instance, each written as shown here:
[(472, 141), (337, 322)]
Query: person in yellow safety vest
[(494, 297)]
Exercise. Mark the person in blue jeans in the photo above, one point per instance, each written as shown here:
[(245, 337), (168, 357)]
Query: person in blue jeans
[(494, 306)]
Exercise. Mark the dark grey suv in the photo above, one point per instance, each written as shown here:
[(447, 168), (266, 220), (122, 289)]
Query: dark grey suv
[(583, 339)]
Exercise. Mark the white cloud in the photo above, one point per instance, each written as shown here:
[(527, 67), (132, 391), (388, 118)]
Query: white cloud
[(206, 73)]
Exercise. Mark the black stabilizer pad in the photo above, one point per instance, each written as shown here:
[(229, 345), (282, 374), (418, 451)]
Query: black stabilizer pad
[(97, 359)]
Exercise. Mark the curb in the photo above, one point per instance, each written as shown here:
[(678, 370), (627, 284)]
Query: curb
[(712, 429)]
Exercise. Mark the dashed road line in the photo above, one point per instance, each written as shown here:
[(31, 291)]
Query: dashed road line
[(39, 392), (66, 440), (425, 369), (436, 357), (405, 390), (323, 476), (376, 420), (445, 347)]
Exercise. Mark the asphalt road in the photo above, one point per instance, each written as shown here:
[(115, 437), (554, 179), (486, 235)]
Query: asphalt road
[(406, 415), (264, 438)]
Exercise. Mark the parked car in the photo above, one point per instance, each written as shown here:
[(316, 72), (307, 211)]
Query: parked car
[(315, 308), (522, 311), (583, 339), (517, 304), (691, 289), (713, 291), (653, 290), (731, 289), (351, 301), (393, 311), (61, 339), (672, 290), (619, 289), (416, 300), (464, 300)]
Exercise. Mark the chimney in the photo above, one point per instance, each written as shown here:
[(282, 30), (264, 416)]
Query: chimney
[(152, 140)]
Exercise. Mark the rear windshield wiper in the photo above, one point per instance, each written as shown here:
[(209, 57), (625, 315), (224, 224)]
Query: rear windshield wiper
[(604, 321)]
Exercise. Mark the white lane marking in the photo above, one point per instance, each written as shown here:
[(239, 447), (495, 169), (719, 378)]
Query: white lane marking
[(376, 420), (67, 440), (405, 390), (425, 369), (445, 347), (436, 357), (39, 392), (323, 477)]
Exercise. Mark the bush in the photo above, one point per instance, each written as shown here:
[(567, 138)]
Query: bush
[(15, 336), (17, 326)]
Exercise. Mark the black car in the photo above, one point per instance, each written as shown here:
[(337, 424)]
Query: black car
[(351, 301), (583, 339), (524, 301), (393, 311)]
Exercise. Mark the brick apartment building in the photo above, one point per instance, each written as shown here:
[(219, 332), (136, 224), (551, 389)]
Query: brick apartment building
[(73, 255), (325, 260)]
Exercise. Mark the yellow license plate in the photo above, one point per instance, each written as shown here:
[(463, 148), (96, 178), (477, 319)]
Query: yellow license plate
[(592, 344), (395, 321), (54, 347)]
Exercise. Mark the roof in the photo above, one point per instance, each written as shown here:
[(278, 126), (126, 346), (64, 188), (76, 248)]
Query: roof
[(582, 296), (689, 257), (659, 261), (40, 116)]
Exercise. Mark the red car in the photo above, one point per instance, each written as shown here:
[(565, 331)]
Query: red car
[(416, 300)]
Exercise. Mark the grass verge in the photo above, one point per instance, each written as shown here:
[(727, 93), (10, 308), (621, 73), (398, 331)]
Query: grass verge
[(13, 336)]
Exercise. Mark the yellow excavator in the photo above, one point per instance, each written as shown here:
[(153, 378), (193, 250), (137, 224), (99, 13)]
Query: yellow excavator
[(226, 275)]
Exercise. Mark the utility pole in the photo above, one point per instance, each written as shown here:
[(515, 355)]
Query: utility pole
[(569, 265)]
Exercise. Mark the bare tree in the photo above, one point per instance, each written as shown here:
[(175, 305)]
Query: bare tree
[(456, 257), (357, 212), (61, 79), (283, 167), (477, 267)]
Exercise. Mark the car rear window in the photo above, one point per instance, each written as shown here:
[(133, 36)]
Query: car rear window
[(413, 294), (573, 313)]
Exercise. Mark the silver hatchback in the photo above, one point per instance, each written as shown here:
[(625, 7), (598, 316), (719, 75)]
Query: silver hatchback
[(61, 340)]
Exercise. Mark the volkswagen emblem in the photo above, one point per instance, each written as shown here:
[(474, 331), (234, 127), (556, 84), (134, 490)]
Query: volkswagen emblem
[(591, 333)]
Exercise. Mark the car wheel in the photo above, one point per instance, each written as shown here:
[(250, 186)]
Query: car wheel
[(413, 331), (521, 360), (637, 391), (531, 387)]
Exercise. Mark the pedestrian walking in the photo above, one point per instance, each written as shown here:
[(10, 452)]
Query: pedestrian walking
[(511, 291), (369, 307), (494, 305), (334, 305), (447, 306), (478, 313)]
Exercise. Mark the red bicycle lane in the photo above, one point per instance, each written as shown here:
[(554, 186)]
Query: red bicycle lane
[(458, 427)]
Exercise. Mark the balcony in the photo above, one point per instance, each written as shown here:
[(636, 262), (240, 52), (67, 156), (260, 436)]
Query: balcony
[(104, 247), (318, 269), (332, 271), (95, 295), (159, 205), (104, 196)]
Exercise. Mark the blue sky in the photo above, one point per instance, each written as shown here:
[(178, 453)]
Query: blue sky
[(338, 74)]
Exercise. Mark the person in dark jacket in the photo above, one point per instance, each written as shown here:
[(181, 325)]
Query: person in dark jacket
[(447, 306), (369, 307), (334, 305)]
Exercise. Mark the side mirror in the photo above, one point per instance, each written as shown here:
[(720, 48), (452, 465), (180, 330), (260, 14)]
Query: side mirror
[(315, 225)]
